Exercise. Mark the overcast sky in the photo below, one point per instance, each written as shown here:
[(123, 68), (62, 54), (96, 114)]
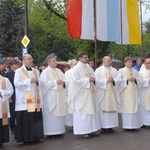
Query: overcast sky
[(146, 16)]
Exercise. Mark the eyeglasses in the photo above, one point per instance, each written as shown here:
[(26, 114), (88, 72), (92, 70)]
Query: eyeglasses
[(147, 63)]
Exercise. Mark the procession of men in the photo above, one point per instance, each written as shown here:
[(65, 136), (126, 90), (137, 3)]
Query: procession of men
[(88, 101)]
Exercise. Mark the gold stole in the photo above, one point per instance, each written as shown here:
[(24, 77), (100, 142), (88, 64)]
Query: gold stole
[(128, 94), (130, 86), (56, 76), (29, 95), (4, 104), (148, 77), (92, 89), (88, 75), (109, 85), (109, 88)]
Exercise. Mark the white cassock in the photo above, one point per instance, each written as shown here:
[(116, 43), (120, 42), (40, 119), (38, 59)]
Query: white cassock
[(81, 100), (5, 95), (68, 117), (54, 98), (145, 97), (130, 102), (107, 96)]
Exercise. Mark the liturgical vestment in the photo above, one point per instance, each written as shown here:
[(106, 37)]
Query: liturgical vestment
[(6, 91), (107, 96), (130, 102), (81, 100), (145, 96), (54, 99)]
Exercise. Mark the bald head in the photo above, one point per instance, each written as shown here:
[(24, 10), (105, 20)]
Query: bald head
[(26, 56), (28, 60), (106, 61)]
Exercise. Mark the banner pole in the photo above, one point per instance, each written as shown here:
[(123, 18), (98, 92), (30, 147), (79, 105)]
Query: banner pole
[(95, 35), (121, 31), (142, 37)]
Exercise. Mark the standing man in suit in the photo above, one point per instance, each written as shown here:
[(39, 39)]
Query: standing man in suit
[(10, 75)]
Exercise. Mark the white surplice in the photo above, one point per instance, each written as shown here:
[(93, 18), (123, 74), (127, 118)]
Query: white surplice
[(68, 117), (130, 102), (81, 100), (145, 96), (22, 86), (5, 95), (107, 96), (54, 98)]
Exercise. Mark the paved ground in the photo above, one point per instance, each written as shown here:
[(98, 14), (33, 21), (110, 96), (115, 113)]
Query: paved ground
[(121, 140)]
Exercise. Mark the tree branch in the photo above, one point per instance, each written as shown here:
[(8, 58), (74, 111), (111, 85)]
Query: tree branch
[(48, 6)]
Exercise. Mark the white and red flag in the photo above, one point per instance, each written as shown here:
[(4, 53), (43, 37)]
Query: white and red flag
[(80, 19)]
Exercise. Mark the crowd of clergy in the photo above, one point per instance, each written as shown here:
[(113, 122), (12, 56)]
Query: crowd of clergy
[(87, 100)]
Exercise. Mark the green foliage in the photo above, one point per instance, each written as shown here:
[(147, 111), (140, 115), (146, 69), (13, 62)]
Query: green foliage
[(130, 50), (146, 26), (11, 28), (48, 32), (51, 33)]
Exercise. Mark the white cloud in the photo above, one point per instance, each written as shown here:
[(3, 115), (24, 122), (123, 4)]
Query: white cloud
[(145, 14)]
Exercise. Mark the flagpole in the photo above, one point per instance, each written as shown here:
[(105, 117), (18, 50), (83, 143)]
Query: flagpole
[(95, 35), (142, 28), (121, 47)]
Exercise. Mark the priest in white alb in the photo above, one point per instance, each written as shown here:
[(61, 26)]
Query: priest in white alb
[(68, 76), (145, 93), (54, 98), (107, 83), (81, 99), (6, 91), (28, 104), (129, 95)]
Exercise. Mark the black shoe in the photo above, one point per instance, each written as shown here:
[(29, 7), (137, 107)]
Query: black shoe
[(133, 130), (58, 136), (95, 133), (26, 143), (111, 130), (144, 126), (2, 146), (104, 131), (31, 143), (86, 136), (127, 130), (55, 136), (34, 142)]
